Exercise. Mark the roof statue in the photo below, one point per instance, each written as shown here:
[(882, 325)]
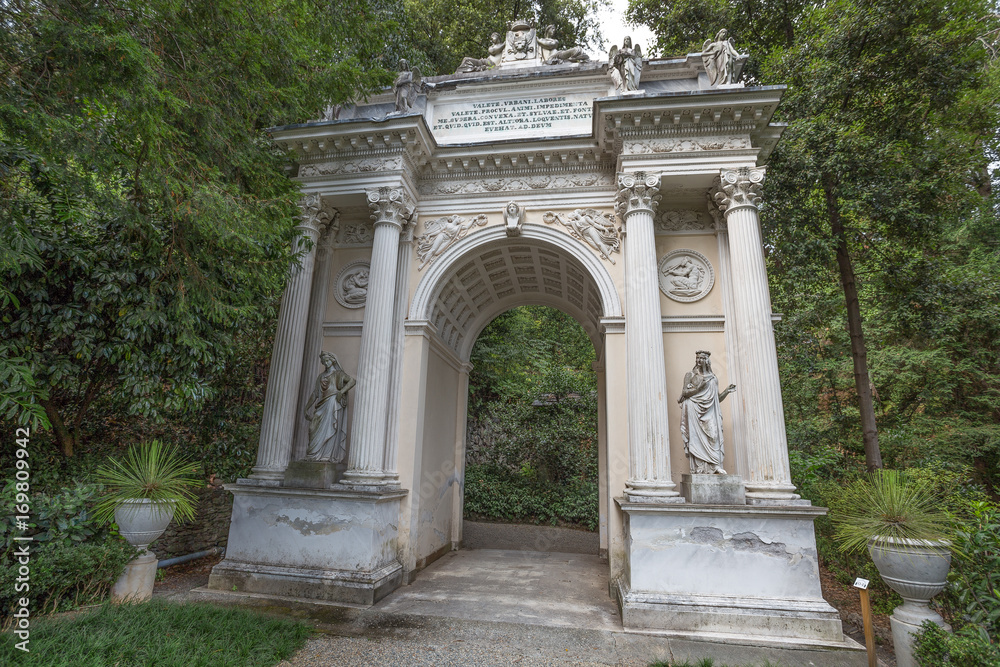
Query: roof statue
[(625, 66), (406, 87), (720, 58), (523, 47)]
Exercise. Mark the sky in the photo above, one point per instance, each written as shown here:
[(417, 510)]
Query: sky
[(614, 30)]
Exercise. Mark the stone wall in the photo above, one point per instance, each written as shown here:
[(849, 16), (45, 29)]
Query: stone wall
[(210, 527)]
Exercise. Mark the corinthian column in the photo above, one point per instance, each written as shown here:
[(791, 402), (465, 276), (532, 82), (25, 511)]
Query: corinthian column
[(391, 209), (390, 475), (278, 425), (767, 475), (648, 438)]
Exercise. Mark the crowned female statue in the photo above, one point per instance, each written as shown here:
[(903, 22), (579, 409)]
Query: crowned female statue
[(327, 412), (701, 417)]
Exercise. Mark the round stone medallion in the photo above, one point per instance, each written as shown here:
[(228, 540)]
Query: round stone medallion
[(351, 286), (685, 275)]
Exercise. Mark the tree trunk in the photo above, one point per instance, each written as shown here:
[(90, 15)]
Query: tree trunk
[(63, 435), (859, 350)]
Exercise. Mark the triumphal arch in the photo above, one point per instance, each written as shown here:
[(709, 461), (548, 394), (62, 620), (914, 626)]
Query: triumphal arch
[(624, 193)]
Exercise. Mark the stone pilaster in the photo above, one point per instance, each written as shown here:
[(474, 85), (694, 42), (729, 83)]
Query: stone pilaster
[(765, 448), (390, 474), (648, 436), (311, 364), (734, 439), (391, 209), (280, 401)]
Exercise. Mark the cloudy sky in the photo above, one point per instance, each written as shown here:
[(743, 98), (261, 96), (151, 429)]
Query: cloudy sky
[(614, 29)]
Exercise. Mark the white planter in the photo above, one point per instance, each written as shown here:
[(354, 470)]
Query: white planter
[(140, 521), (917, 570)]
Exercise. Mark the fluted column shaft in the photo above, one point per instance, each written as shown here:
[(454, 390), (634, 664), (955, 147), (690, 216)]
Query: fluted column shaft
[(278, 425), (768, 477), (649, 440), (391, 210), (390, 473)]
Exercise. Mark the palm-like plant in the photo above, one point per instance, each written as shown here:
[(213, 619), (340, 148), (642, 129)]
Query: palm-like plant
[(151, 471), (885, 507)]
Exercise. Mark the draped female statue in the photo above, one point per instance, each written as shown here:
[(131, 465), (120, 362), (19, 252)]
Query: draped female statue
[(327, 412), (701, 417), (720, 58)]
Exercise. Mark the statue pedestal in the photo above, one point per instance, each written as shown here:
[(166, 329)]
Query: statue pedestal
[(310, 474), (713, 489), (738, 574), (337, 545)]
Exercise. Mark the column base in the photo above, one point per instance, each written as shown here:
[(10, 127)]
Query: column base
[(333, 544), (647, 491), (773, 494), (702, 570)]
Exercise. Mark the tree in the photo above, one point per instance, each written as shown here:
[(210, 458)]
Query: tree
[(140, 184), (892, 119)]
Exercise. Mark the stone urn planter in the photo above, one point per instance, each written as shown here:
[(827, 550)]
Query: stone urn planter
[(144, 491), (917, 570), (140, 521)]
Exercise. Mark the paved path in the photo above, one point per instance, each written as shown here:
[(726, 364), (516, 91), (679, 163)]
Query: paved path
[(520, 537)]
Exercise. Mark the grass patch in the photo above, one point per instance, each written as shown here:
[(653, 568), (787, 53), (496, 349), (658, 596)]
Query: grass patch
[(159, 633)]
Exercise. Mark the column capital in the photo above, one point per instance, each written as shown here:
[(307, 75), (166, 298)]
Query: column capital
[(738, 188), (637, 192), (390, 206), (314, 217), (718, 217)]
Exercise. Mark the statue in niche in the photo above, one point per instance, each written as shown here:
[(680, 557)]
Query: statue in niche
[(327, 412), (441, 233), (513, 218), (551, 55), (625, 66), (406, 87), (686, 277), (497, 46), (701, 417), (356, 287), (720, 58), (595, 229)]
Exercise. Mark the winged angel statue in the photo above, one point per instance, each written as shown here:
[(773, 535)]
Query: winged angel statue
[(406, 87), (441, 233), (596, 230), (625, 66)]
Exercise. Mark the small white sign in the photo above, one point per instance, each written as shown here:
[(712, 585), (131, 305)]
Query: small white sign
[(861, 583)]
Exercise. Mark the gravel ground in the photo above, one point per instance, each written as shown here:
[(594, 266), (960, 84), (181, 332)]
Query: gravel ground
[(358, 652)]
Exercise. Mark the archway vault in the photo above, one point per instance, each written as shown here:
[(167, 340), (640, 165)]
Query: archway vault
[(488, 272)]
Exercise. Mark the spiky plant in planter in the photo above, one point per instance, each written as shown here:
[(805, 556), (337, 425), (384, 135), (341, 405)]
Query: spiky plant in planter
[(146, 489), (908, 535)]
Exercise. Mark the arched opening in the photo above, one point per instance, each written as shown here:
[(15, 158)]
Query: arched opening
[(531, 447), (467, 287)]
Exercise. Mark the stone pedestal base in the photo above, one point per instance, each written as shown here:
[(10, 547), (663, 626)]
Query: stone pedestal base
[(905, 622), (743, 573), (713, 489), (310, 474), (136, 582), (332, 544)]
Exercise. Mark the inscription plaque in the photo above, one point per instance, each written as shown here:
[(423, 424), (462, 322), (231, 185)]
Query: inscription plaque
[(519, 118)]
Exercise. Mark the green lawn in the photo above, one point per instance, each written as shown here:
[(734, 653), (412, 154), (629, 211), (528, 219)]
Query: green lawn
[(158, 633)]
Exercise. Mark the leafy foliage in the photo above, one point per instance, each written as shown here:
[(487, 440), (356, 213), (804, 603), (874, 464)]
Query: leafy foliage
[(935, 647), (532, 442), (973, 595), (140, 184), (74, 561)]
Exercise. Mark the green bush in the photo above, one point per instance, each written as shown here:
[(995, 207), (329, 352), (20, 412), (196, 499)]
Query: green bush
[(965, 648), (974, 581), (495, 493), (73, 560)]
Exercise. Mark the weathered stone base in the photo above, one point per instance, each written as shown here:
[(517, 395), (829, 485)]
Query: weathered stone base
[(310, 474), (745, 572), (337, 545), (136, 582), (713, 489)]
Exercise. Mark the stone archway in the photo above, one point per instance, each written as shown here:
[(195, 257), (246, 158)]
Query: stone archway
[(468, 286)]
